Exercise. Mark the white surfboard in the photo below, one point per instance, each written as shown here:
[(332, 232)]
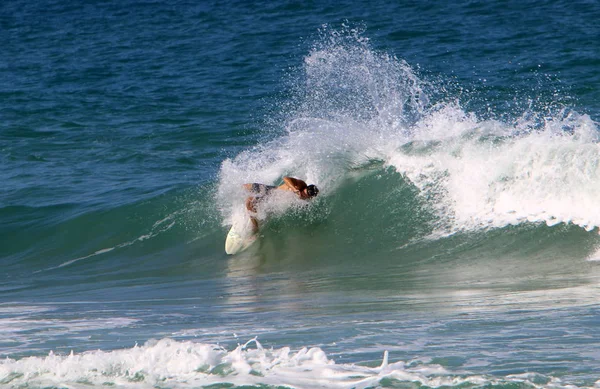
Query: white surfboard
[(240, 236)]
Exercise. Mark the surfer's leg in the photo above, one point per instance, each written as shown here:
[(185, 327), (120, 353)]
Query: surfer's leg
[(251, 203), (254, 225)]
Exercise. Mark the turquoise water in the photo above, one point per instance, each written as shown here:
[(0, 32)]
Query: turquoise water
[(454, 242)]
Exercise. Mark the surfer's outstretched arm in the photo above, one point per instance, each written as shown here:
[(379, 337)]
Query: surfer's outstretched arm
[(299, 187), (293, 184)]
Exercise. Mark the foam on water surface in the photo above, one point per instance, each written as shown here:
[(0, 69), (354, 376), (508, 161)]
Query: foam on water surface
[(173, 364)]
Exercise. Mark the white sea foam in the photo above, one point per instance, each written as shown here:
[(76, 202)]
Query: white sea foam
[(513, 176), (169, 363)]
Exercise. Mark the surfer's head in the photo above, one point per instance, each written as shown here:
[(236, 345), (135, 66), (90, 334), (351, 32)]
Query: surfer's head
[(311, 191)]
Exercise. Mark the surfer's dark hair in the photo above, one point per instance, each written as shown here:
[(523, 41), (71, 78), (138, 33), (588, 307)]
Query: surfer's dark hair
[(312, 191)]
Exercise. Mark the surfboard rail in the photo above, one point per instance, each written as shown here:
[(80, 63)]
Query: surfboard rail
[(240, 236)]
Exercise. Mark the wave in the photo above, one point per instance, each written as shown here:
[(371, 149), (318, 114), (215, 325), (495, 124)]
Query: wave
[(355, 110), (409, 180), (184, 364), (399, 162)]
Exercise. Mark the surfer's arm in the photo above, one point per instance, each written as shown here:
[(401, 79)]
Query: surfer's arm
[(293, 184)]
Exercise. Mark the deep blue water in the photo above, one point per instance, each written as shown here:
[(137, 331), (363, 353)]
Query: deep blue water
[(455, 145)]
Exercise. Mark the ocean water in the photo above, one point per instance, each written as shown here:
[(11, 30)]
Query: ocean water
[(454, 243)]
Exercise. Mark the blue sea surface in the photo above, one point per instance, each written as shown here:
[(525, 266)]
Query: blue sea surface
[(454, 242)]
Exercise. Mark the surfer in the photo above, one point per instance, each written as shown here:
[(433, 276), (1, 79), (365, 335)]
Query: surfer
[(261, 191)]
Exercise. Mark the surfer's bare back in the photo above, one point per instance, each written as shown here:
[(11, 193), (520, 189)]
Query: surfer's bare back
[(260, 191)]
